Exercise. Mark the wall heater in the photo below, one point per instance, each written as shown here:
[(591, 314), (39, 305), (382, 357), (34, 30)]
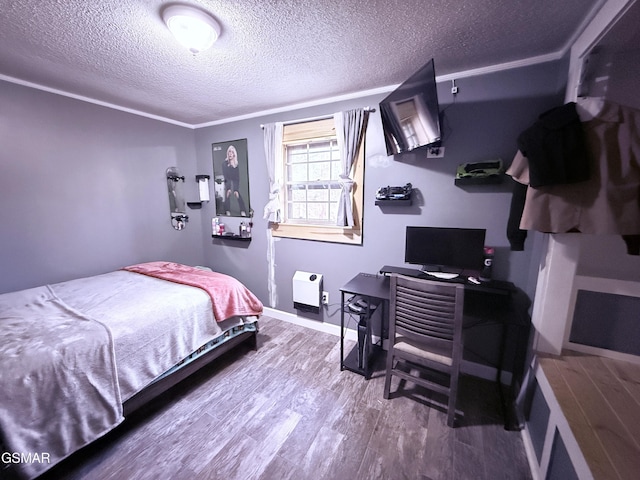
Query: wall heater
[(307, 291)]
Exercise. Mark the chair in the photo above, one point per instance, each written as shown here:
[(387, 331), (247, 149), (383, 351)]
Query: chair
[(425, 334)]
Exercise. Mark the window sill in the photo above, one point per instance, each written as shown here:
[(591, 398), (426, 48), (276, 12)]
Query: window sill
[(347, 235)]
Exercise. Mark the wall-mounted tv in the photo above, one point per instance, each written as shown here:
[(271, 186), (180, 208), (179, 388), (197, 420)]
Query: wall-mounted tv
[(411, 113), (445, 252)]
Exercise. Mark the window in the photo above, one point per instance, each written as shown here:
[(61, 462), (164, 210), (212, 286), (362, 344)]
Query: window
[(312, 186), (311, 193)]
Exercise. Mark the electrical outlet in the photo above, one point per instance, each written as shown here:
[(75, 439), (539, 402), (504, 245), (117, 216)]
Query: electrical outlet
[(325, 298), (435, 152)]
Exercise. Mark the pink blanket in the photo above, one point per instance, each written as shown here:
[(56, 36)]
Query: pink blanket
[(229, 297)]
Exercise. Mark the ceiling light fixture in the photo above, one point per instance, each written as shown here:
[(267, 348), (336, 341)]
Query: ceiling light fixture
[(193, 28)]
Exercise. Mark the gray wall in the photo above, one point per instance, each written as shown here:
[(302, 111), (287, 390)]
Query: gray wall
[(483, 123), (83, 190)]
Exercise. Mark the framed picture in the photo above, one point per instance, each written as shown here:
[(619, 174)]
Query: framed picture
[(231, 178)]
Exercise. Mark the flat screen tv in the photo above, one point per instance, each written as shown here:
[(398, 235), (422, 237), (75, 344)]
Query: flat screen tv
[(411, 113), (445, 252)]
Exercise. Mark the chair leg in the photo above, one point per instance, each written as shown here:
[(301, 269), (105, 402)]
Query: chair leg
[(387, 385), (451, 416), (387, 378), (453, 393)]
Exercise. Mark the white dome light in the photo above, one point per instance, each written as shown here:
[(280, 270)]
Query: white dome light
[(193, 28)]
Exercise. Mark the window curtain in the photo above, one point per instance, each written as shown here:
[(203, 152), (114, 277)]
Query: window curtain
[(350, 129), (273, 208), (273, 155)]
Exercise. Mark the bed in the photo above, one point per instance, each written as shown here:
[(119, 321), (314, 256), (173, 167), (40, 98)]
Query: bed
[(76, 357)]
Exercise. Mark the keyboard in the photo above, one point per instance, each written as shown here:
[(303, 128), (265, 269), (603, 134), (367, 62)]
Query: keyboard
[(442, 275)]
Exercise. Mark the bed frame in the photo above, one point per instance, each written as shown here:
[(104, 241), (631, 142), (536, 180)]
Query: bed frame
[(157, 388)]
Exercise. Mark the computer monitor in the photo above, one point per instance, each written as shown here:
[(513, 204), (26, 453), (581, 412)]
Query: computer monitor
[(445, 252)]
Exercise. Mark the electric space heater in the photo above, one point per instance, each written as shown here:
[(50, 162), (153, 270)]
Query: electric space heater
[(307, 291)]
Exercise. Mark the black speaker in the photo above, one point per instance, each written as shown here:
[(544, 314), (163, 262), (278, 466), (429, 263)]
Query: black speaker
[(363, 350)]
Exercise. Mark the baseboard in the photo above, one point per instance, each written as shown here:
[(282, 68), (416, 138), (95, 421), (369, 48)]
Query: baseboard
[(470, 368), (312, 324), (531, 454), (486, 372)]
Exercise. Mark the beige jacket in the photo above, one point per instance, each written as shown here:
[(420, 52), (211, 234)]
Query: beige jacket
[(607, 203)]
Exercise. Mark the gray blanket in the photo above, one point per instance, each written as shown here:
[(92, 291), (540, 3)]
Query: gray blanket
[(57, 369), (71, 353), (154, 323)]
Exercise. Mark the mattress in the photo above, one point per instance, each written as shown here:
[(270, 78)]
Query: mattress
[(154, 323)]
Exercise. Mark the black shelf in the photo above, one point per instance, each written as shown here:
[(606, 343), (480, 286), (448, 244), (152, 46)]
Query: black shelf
[(366, 312), (350, 362), (232, 237), (395, 203), (489, 180)]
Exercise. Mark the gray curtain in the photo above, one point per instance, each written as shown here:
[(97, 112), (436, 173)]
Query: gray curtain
[(273, 208), (273, 156), (350, 130)]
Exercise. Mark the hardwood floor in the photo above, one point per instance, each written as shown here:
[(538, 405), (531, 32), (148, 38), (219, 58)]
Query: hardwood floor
[(286, 411)]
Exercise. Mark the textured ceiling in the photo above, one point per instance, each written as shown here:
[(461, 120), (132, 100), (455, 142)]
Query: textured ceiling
[(271, 53)]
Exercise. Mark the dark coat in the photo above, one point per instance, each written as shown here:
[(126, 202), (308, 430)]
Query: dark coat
[(555, 147)]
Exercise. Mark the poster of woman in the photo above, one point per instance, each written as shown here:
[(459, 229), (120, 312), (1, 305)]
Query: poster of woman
[(231, 178)]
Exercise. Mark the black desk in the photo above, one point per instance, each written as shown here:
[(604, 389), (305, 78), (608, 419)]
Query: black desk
[(497, 287), (491, 303)]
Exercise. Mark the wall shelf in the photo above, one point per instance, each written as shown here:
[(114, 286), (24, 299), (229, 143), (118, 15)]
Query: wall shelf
[(232, 237), (489, 180), (395, 203)]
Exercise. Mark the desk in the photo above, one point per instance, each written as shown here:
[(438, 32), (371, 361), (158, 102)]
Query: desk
[(492, 303), (496, 287)]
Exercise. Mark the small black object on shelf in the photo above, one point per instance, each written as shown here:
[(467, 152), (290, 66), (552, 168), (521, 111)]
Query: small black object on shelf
[(398, 196), (480, 173)]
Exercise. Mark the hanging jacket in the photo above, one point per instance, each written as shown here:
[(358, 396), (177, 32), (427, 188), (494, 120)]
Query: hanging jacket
[(607, 203), (555, 147)]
